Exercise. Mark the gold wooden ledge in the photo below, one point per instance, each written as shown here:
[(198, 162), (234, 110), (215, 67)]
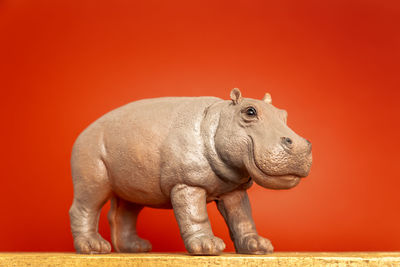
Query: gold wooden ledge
[(227, 259)]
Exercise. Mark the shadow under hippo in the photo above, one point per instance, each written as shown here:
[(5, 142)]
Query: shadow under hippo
[(181, 153)]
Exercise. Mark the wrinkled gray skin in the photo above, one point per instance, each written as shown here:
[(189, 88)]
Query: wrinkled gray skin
[(181, 153)]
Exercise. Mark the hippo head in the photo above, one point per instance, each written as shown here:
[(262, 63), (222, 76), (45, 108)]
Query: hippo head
[(253, 137)]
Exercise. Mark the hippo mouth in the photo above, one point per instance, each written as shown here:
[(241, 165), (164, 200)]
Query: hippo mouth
[(264, 179)]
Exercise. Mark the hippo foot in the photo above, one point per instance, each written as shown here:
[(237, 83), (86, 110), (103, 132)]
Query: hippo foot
[(205, 245), (91, 244), (253, 244), (135, 245)]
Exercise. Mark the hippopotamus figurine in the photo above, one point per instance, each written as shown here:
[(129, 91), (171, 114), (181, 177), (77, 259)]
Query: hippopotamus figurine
[(182, 153)]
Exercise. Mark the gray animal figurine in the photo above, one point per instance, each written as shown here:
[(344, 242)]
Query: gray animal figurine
[(182, 153)]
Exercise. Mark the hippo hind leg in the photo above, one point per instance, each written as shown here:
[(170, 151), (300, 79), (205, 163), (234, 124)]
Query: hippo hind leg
[(122, 218), (91, 192)]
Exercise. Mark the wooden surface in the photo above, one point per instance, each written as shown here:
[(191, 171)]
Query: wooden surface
[(158, 259)]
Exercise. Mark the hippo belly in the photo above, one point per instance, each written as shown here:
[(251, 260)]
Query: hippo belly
[(133, 173), (133, 138)]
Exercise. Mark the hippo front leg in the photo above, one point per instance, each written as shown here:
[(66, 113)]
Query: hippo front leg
[(189, 204), (236, 210)]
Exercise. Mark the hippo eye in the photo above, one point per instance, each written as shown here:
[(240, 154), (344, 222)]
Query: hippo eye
[(251, 111)]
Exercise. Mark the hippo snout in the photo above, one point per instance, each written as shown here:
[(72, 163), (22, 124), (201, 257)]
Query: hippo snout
[(298, 151)]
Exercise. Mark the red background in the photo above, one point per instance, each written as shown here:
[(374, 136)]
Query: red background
[(333, 65)]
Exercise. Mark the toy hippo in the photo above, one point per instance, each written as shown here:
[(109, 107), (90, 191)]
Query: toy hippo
[(182, 153)]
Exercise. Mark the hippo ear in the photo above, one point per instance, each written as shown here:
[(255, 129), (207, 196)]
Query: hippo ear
[(267, 98), (236, 96)]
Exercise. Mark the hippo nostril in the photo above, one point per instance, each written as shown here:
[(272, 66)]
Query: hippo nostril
[(287, 141)]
